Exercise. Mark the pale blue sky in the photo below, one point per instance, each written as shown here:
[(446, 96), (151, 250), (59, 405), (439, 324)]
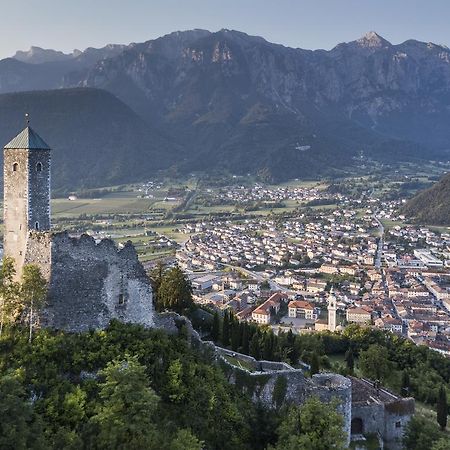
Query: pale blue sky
[(69, 24)]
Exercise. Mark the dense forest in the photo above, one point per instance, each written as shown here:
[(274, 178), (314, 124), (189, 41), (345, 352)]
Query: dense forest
[(127, 387)]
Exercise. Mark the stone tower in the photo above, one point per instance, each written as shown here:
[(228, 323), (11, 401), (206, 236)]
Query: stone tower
[(332, 311), (26, 204)]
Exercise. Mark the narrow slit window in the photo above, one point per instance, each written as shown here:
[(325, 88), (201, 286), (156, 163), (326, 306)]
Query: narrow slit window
[(36, 226), (15, 167), (39, 167)]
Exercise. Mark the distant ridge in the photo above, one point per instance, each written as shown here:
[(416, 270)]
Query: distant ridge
[(95, 139)]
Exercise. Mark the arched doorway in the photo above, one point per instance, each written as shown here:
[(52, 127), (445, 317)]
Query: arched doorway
[(357, 426)]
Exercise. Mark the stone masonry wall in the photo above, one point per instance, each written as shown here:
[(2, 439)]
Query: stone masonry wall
[(39, 189), (39, 251), (329, 386), (274, 384), (396, 418), (90, 283), (15, 205)]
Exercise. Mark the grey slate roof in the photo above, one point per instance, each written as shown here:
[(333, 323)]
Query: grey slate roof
[(28, 139)]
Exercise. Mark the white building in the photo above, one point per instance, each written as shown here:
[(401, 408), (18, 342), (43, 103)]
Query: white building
[(332, 312), (301, 308)]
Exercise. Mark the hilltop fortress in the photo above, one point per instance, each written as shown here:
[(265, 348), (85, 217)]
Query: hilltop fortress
[(89, 283)]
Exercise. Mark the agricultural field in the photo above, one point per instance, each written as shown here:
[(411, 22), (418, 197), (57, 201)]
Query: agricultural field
[(147, 212)]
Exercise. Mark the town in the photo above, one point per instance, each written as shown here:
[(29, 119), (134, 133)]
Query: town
[(273, 253), (279, 271)]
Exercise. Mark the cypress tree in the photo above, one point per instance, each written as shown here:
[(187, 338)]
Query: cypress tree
[(290, 338), (276, 346), (255, 346), (350, 360), (245, 339), (226, 330), (235, 335), (294, 355), (315, 364), (215, 330), (442, 408), (267, 347), (405, 383)]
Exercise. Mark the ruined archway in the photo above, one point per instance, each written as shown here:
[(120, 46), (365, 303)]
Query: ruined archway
[(357, 426)]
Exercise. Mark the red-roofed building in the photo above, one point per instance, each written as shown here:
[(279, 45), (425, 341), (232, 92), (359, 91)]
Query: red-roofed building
[(263, 313), (359, 315), (303, 309)]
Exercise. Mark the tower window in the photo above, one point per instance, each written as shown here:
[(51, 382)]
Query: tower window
[(39, 167), (15, 167), (36, 226)]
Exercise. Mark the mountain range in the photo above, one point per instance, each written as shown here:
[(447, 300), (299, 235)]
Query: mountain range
[(228, 101)]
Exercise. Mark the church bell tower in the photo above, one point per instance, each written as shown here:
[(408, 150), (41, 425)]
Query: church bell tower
[(332, 311), (26, 190)]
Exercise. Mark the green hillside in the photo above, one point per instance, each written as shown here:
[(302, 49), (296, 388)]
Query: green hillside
[(432, 206), (96, 139)]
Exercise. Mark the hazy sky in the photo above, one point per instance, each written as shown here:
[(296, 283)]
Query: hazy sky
[(69, 24)]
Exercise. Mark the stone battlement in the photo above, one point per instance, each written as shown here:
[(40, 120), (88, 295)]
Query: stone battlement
[(90, 283)]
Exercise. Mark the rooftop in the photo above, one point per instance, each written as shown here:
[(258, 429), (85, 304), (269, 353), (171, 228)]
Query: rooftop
[(28, 139), (366, 391)]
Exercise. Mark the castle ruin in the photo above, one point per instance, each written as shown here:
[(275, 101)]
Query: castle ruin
[(89, 283)]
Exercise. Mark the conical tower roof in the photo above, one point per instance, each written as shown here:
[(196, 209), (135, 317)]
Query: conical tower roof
[(28, 139)]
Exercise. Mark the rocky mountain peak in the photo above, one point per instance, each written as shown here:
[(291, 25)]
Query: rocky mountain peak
[(373, 40), (38, 55)]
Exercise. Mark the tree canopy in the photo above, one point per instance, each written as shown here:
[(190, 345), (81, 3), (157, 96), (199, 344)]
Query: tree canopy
[(312, 426), (172, 290)]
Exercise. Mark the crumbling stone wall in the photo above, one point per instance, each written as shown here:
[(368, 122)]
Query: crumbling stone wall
[(39, 251), (329, 386), (89, 283), (397, 416), (274, 384), (381, 412)]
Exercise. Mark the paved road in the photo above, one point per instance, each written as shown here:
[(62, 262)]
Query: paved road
[(380, 243)]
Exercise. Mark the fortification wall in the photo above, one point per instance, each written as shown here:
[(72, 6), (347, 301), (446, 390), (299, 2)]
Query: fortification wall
[(39, 251), (275, 384), (329, 386), (372, 416), (396, 418), (90, 283), (387, 420)]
